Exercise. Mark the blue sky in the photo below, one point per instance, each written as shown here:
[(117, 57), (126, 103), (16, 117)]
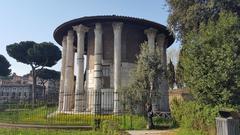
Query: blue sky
[(34, 20)]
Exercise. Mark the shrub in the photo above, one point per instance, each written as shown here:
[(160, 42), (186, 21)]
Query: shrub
[(196, 116), (110, 127), (211, 60), (133, 122), (163, 123), (3, 106)]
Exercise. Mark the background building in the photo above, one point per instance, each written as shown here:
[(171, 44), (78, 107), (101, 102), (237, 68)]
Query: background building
[(19, 88), (19, 93)]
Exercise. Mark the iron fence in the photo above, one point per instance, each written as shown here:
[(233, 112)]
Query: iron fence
[(19, 110), (46, 111)]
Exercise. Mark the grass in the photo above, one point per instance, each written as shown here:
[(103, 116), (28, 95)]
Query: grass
[(79, 119), (161, 123), (6, 131), (110, 124), (32, 116), (187, 131), (132, 122), (39, 116)]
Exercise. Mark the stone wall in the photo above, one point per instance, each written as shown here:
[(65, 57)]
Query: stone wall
[(107, 93), (180, 94), (125, 73)]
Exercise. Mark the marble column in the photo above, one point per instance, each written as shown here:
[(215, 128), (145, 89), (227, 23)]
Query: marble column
[(161, 44), (79, 90), (151, 34), (117, 30), (61, 91), (163, 84), (69, 78), (73, 82), (96, 104)]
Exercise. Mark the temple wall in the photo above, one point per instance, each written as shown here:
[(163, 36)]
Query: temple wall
[(107, 93), (132, 37), (125, 75)]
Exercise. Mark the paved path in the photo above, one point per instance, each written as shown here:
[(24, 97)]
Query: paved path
[(151, 132)]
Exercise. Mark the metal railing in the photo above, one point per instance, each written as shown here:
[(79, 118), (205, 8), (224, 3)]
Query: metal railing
[(45, 112)]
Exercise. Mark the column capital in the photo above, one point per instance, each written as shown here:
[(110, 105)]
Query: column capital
[(117, 26), (98, 28), (151, 32), (160, 39), (80, 28), (70, 35), (160, 36), (64, 40)]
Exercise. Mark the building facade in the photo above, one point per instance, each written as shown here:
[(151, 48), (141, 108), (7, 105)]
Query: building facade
[(110, 45), (21, 93), (19, 88)]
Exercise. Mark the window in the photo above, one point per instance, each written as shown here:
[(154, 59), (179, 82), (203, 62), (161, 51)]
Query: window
[(106, 70), (106, 76), (13, 95)]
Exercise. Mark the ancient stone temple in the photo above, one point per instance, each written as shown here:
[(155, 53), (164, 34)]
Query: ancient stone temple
[(106, 49)]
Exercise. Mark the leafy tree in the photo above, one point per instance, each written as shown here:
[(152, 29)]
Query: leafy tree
[(200, 23), (187, 15), (179, 75), (212, 61), (180, 71), (143, 85), (37, 55), (46, 74), (171, 74), (4, 66)]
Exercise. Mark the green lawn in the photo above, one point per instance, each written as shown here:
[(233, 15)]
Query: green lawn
[(39, 116), (110, 124), (6, 131), (33, 116)]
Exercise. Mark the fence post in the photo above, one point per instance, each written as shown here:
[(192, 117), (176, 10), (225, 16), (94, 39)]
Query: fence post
[(227, 126), (131, 124)]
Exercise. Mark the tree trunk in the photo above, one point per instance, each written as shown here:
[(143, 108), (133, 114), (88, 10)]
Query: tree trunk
[(44, 92), (33, 86), (151, 93), (149, 107), (43, 85)]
